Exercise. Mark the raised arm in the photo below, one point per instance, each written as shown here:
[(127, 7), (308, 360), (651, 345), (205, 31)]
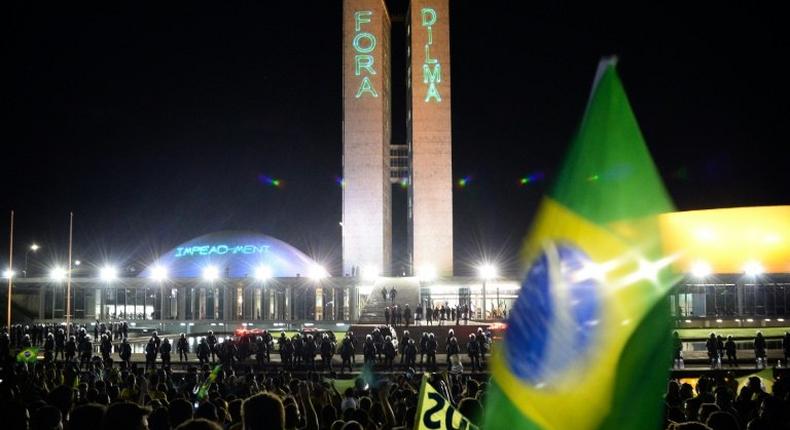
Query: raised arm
[(311, 417)]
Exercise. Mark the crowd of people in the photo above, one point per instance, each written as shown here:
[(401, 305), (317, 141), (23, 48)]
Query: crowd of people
[(56, 395), (716, 403), (225, 391)]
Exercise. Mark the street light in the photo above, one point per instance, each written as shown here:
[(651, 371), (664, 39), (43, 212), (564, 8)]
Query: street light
[(753, 269), (426, 272), (57, 274), (263, 273), (210, 273), (159, 273), (108, 273), (701, 269), (317, 273), (8, 274), (370, 273), (486, 272), (34, 247)]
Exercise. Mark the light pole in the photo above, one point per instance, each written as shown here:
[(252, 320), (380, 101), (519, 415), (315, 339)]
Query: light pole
[(10, 271), (317, 274), (108, 274), (487, 272), (34, 247), (262, 273)]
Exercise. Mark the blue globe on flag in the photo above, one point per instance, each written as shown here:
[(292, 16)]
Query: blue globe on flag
[(554, 320)]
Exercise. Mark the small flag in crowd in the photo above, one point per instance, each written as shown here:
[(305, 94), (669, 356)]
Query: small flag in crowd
[(27, 355), (436, 412)]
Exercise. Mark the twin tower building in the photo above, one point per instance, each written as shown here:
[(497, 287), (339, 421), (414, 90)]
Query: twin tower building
[(372, 163)]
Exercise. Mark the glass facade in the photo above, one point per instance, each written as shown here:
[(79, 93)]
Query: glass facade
[(732, 296)]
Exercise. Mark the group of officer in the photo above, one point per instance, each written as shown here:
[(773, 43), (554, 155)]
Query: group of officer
[(394, 315), (382, 346), (299, 351), (717, 348)]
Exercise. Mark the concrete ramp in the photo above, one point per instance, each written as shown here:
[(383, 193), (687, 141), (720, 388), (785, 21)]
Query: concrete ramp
[(408, 293)]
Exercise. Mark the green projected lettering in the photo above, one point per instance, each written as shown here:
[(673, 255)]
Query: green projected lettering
[(430, 76), (363, 62), (361, 17), (364, 44), (371, 42), (366, 87)]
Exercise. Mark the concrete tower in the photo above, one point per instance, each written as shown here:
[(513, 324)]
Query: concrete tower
[(429, 135), (367, 213)]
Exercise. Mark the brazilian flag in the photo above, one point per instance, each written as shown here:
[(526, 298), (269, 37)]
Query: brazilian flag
[(27, 355), (201, 390), (588, 340)]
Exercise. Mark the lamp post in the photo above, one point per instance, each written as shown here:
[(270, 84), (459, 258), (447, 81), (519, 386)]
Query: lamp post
[(108, 274), (262, 273), (68, 277), (487, 272), (318, 273), (34, 247), (10, 271)]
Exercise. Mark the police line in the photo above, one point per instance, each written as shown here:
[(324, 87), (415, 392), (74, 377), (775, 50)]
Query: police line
[(435, 412)]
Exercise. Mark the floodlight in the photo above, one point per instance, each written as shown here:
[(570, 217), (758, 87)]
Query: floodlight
[(426, 272), (701, 269), (159, 273), (108, 273), (487, 271), (263, 273), (370, 272), (317, 273), (57, 274), (753, 268), (210, 273)]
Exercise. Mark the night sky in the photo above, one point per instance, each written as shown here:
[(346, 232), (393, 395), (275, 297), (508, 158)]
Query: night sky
[(155, 125)]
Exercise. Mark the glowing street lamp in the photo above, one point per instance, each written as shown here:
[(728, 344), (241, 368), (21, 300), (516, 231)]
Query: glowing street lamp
[(108, 273), (753, 269), (486, 272), (317, 273), (701, 269), (426, 272), (210, 273), (159, 273), (8, 274), (370, 273), (57, 274), (263, 273), (34, 247)]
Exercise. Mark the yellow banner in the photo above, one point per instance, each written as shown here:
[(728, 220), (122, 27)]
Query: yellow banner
[(434, 412)]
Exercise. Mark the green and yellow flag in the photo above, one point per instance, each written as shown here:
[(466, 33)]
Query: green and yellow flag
[(588, 340), (435, 412), (201, 390), (27, 355)]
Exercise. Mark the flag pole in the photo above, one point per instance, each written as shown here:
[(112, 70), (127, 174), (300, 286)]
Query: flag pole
[(68, 279), (10, 273)]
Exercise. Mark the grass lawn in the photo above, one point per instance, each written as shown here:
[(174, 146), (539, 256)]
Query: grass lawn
[(702, 333)]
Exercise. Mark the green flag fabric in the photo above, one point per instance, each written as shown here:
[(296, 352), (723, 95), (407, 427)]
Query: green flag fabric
[(588, 340)]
